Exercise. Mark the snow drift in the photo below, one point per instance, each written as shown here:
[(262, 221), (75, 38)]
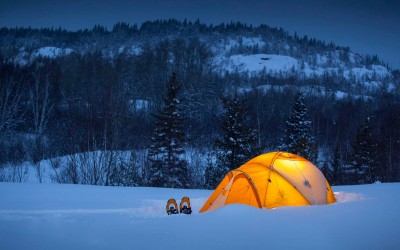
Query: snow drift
[(55, 216)]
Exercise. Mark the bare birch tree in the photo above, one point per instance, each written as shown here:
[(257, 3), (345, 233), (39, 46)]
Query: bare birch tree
[(11, 93), (41, 108), (41, 105)]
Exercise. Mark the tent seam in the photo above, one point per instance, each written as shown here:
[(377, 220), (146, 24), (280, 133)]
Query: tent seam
[(253, 185)]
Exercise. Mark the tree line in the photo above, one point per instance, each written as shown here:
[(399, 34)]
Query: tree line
[(105, 114)]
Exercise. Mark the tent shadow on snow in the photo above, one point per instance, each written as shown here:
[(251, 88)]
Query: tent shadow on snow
[(272, 180)]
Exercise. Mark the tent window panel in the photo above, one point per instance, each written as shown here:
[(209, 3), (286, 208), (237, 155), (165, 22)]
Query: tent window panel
[(281, 193), (242, 192)]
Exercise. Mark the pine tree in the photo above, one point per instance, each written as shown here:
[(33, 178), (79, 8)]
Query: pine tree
[(364, 160), (168, 168), (237, 143), (298, 138)]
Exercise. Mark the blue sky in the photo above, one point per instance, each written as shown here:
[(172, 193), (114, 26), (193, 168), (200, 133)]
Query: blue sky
[(368, 26)]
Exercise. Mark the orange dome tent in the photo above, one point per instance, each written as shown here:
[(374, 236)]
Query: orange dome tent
[(272, 180)]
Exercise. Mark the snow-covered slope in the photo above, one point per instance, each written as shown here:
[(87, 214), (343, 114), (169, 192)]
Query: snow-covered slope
[(25, 57), (54, 216), (256, 63), (287, 65), (51, 52), (242, 55)]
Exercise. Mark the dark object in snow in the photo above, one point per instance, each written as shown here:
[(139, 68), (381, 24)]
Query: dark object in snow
[(185, 206), (172, 207)]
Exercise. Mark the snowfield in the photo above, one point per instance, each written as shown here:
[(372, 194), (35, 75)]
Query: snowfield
[(55, 216), (272, 64), (51, 52), (23, 58)]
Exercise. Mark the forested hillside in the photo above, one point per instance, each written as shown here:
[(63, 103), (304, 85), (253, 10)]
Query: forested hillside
[(100, 105)]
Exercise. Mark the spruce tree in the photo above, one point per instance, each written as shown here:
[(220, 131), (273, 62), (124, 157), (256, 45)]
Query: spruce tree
[(236, 145), (298, 137), (168, 168), (364, 160)]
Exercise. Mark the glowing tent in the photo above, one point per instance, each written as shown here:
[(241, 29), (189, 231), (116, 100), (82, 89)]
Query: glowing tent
[(271, 180)]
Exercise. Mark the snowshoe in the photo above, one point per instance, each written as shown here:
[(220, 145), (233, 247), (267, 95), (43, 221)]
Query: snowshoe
[(172, 207), (185, 206)]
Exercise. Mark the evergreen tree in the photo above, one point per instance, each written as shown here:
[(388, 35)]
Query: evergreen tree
[(298, 138), (237, 143), (168, 168), (364, 160)]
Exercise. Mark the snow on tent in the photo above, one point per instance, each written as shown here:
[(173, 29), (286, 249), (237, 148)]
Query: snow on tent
[(272, 180)]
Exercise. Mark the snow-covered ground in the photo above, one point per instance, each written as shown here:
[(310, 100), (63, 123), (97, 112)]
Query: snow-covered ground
[(272, 64), (56, 216), (51, 52), (24, 57), (281, 64)]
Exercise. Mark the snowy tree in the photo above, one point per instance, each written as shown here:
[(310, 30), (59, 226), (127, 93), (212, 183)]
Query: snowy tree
[(12, 84), (156, 171), (126, 173), (40, 99), (364, 166), (236, 145), (135, 180), (168, 168), (298, 138), (213, 174)]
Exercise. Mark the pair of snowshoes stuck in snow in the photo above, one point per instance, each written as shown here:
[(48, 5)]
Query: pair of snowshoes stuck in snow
[(184, 206)]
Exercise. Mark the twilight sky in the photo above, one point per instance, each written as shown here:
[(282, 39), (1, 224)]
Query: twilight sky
[(368, 26)]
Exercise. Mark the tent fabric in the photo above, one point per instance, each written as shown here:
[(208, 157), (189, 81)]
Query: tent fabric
[(272, 180)]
